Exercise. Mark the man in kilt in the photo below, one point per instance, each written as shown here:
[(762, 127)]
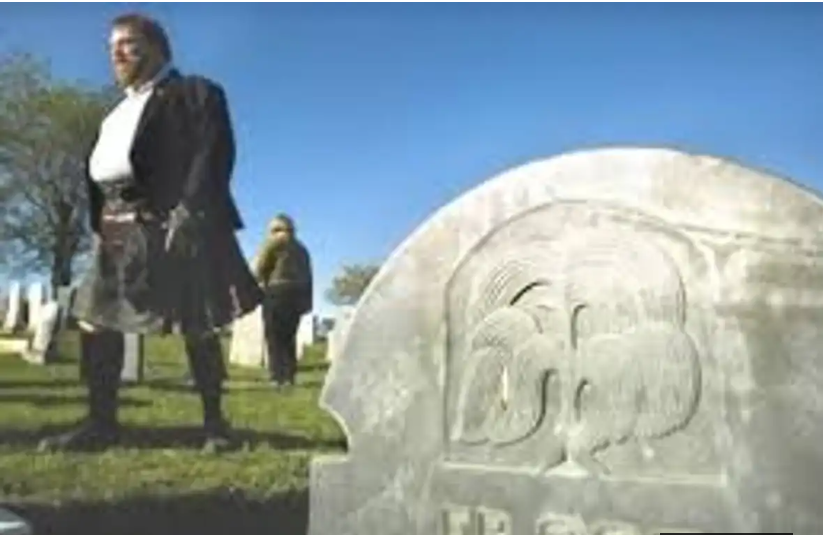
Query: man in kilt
[(166, 258)]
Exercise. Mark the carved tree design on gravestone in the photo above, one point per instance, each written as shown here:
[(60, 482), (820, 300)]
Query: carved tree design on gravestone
[(577, 343)]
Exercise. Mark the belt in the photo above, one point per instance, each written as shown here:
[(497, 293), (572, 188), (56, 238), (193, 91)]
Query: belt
[(130, 216)]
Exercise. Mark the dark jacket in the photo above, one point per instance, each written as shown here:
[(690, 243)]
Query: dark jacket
[(183, 154), (284, 270)]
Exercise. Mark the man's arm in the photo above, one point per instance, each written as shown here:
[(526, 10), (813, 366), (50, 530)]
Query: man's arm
[(265, 263), (214, 154), (213, 159), (95, 196)]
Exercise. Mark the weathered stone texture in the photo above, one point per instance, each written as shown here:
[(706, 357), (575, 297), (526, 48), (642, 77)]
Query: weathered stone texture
[(611, 341)]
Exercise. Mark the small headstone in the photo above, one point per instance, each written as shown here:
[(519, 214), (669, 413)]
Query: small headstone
[(65, 297), (622, 341), (248, 347), (11, 524), (42, 349), (306, 333), (338, 331), (133, 358), (13, 321), (36, 296), (4, 307)]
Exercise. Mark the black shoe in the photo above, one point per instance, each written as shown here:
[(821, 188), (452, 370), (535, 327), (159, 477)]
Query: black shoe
[(217, 437), (87, 436)]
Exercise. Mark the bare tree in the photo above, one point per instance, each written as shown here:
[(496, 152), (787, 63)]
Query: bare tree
[(46, 130)]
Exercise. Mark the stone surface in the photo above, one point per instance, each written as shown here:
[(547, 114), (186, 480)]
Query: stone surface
[(337, 334), (306, 333), (13, 320), (248, 347), (36, 297), (133, 358), (65, 297), (621, 341), (42, 348), (11, 524)]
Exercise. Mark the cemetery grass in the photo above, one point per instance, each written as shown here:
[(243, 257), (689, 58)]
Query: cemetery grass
[(158, 481)]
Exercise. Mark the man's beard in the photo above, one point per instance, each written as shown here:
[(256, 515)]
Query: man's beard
[(132, 73)]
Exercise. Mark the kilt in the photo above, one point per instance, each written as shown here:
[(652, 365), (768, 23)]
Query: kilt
[(134, 285)]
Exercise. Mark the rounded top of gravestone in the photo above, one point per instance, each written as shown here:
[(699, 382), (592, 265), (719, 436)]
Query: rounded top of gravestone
[(693, 189), (686, 189)]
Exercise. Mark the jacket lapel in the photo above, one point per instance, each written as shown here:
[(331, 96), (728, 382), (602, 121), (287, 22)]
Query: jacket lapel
[(154, 106)]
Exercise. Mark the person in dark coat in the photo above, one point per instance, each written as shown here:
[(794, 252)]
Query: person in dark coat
[(284, 270), (166, 259)]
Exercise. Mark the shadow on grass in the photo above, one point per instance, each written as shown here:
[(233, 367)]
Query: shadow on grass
[(40, 383), (217, 513), (315, 367), (237, 385), (47, 400), (177, 437)]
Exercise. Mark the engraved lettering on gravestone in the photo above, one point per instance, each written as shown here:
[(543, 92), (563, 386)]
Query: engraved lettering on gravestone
[(461, 520), (456, 521), (590, 327), (555, 524), (493, 522), (613, 527)]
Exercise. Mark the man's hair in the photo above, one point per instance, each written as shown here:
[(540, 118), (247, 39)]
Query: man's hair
[(149, 28), (285, 220)]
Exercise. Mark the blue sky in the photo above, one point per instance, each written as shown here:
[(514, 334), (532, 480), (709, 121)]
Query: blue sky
[(362, 119)]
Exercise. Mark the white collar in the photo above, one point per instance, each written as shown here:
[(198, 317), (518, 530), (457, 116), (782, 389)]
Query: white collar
[(164, 71)]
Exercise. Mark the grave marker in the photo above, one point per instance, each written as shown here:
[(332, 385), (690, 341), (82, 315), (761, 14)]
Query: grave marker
[(619, 341)]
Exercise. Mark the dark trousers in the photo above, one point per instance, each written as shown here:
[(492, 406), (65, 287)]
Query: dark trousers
[(281, 322), (102, 361)]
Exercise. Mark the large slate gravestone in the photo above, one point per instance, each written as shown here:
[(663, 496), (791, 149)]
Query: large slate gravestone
[(623, 341)]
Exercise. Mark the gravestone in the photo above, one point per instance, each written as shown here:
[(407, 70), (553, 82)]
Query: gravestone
[(622, 341), (13, 320), (65, 298), (337, 335), (11, 524), (133, 358), (42, 347), (36, 299), (248, 347), (306, 333), (4, 307)]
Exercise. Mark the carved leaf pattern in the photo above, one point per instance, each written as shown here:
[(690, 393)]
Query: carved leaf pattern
[(643, 384), (526, 410), (589, 344), (491, 347)]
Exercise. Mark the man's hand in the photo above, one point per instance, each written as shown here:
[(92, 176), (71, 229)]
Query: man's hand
[(179, 224), (86, 326)]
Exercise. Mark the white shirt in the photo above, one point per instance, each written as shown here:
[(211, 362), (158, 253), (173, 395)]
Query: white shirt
[(111, 158)]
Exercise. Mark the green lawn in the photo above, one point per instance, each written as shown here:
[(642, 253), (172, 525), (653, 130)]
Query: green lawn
[(158, 482)]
